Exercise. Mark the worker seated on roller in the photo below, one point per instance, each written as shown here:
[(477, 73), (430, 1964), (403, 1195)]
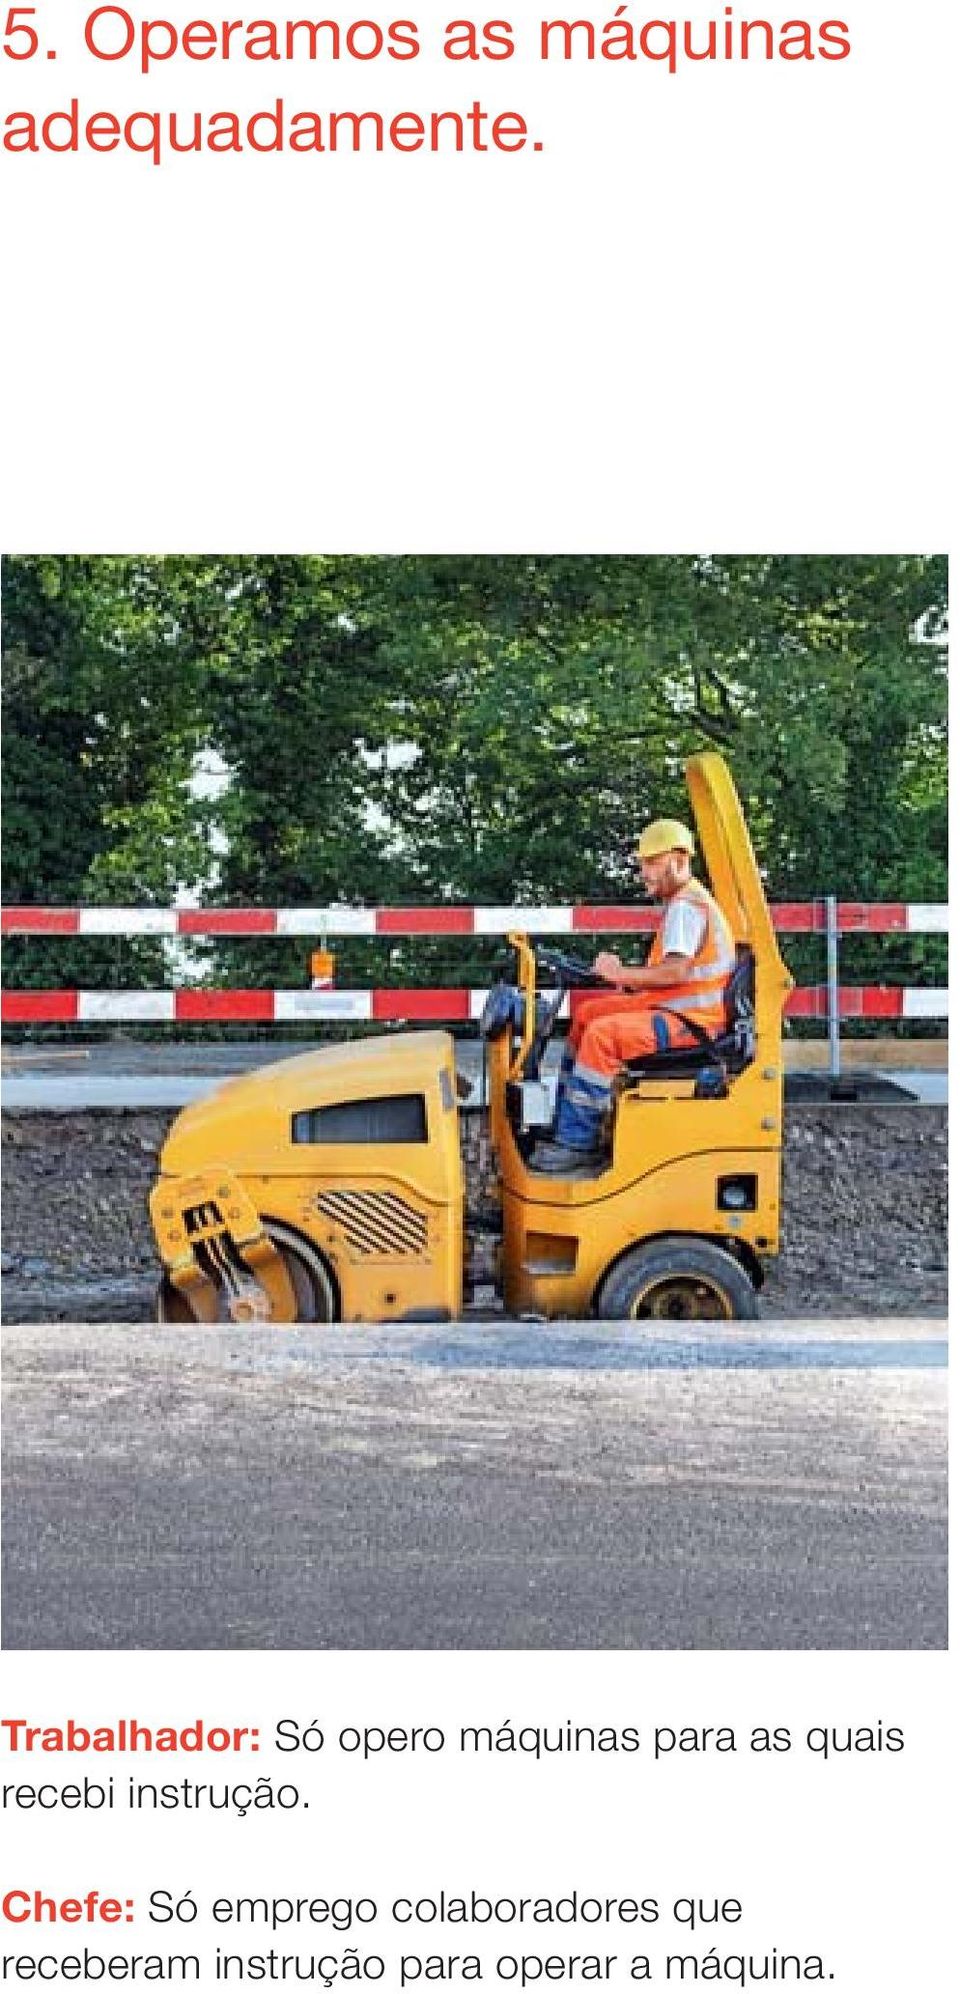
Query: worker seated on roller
[(687, 970)]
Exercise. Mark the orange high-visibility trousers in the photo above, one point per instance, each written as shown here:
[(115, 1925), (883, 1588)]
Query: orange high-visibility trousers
[(607, 1030)]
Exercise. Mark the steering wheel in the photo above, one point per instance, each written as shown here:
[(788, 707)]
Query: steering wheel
[(572, 971)]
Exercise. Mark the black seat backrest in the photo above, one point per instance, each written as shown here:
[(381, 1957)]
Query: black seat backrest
[(738, 998)]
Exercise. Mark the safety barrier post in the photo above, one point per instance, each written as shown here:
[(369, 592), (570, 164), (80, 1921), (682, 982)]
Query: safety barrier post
[(833, 984)]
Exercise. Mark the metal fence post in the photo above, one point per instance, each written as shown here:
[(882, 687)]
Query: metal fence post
[(833, 985)]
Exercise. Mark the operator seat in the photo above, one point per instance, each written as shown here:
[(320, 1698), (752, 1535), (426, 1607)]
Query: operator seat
[(732, 1049)]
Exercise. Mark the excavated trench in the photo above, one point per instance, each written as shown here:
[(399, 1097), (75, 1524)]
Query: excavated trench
[(864, 1221)]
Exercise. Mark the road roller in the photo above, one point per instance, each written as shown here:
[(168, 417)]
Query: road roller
[(331, 1187)]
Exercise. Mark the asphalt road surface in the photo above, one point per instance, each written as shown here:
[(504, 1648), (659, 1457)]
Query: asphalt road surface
[(481, 1486)]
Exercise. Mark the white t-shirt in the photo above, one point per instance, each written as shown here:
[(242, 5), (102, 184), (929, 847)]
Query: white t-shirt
[(684, 927)]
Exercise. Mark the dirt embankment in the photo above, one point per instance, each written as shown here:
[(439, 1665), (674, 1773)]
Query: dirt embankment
[(864, 1226)]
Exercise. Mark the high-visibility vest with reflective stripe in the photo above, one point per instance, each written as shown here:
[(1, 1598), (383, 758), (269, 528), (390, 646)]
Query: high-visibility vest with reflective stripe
[(701, 991)]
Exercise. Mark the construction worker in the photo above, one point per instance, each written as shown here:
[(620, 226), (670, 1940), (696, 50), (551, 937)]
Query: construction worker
[(687, 970)]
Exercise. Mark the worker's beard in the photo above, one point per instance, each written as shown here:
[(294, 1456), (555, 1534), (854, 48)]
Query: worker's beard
[(673, 879)]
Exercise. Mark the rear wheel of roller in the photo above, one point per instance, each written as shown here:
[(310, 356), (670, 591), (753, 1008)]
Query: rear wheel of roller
[(680, 1278)]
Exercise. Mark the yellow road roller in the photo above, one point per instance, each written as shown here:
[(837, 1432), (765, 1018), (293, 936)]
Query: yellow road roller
[(331, 1186)]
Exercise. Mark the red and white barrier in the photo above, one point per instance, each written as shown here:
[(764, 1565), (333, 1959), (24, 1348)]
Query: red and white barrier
[(790, 917), (451, 1005), (441, 1006)]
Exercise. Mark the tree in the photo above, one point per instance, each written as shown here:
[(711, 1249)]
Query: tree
[(485, 728)]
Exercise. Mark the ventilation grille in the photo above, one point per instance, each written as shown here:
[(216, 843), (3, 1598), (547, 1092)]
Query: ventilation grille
[(377, 1224)]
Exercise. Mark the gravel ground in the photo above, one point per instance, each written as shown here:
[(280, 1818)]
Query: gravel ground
[(864, 1213)]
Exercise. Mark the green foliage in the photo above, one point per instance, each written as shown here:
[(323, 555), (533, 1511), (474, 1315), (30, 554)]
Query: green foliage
[(486, 728)]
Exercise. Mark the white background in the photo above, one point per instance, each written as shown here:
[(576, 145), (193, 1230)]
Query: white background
[(712, 310), (850, 1858), (711, 313)]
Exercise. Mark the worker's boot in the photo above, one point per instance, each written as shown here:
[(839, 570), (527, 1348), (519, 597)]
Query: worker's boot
[(574, 1150), (560, 1159)]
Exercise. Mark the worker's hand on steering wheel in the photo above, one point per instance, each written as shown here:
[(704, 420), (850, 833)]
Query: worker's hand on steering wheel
[(608, 965)]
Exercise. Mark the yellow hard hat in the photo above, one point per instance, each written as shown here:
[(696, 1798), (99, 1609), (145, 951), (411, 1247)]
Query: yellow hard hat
[(666, 835)]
